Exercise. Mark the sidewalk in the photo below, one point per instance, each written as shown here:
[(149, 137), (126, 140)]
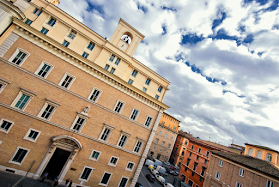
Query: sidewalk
[(9, 179)]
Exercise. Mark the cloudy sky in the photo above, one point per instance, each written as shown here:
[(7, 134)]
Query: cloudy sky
[(221, 57)]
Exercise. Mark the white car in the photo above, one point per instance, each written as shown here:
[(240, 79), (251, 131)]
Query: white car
[(154, 172), (160, 179), (168, 185), (150, 167)]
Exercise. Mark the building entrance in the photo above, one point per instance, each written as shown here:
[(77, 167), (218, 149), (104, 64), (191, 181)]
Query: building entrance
[(56, 163)]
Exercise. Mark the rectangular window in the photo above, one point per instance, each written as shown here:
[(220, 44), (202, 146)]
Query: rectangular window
[(188, 161), (111, 58), (205, 162), (197, 157), (44, 69), (19, 57), (269, 183), (207, 153), (147, 81), (112, 70), (238, 184), (122, 140), (144, 89), (19, 155), (130, 166), (85, 174), (163, 143), (199, 150), (201, 179), (148, 121), (166, 135), (217, 175), (28, 21), (220, 163), (6, 125), (95, 155), (32, 135), (79, 122), (134, 114), (195, 166), (106, 67), (130, 81), (48, 111), (138, 146), (160, 89), (85, 55), (157, 140), (91, 46), (37, 12), (119, 106), (51, 22), (123, 182), (193, 174), (156, 97), (44, 30), (22, 102), (72, 34), (192, 147), (113, 161), (241, 172), (95, 94), (106, 132), (117, 61), (190, 154), (169, 146), (105, 179), (67, 81), (65, 43), (134, 73), (203, 171)]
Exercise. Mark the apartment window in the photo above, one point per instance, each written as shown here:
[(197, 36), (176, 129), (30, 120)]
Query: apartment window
[(3, 84), (201, 179), (85, 55), (48, 109), (198, 157), (119, 106), (113, 161), (44, 30), (19, 155), (123, 182), (163, 143), (166, 135), (117, 61), (157, 140), (185, 169), (144, 89), (111, 58), (65, 43), (186, 142), (182, 153), (19, 56), (105, 134), (37, 12), (105, 179), (193, 173), (238, 184), (241, 172), (147, 81), (130, 81), (268, 157), (32, 135), (95, 155), (160, 89), (205, 162), (95, 94), (134, 115), (22, 99), (259, 154), (250, 152), (203, 171), (138, 146), (78, 123), (217, 175), (160, 132), (163, 123), (72, 34), (85, 174), (51, 22), (220, 163), (148, 121), (91, 46), (134, 73), (44, 69), (112, 70), (190, 182), (199, 150), (67, 80), (106, 67), (188, 161), (156, 97), (207, 153), (190, 154), (130, 166), (6, 125), (123, 139), (269, 183), (28, 21), (195, 166), (171, 138)]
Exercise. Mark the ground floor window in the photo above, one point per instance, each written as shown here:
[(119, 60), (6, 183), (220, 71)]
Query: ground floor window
[(105, 179), (123, 182), (85, 174), (19, 155)]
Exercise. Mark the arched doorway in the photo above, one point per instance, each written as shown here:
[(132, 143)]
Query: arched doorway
[(59, 157)]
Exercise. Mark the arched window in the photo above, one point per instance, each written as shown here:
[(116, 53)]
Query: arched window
[(268, 157), (250, 152), (259, 154)]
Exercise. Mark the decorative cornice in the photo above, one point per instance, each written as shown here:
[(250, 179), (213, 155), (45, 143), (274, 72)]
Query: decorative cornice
[(86, 65), (12, 9), (160, 124)]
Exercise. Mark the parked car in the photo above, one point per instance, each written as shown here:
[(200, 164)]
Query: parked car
[(149, 162), (161, 170), (167, 163), (150, 158), (174, 173), (160, 179), (150, 167), (138, 185), (168, 185), (158, 162), (154, 172), (151, 178), (168, 170)]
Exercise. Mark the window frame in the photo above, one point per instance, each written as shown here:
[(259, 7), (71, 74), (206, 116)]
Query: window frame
[(72, 34), (37, 12), (65, 43), (157, 97), (237, 184), (9, 121), (268, 157), (86, 180), (19, 95), (26, 137), (134, 73), (106, 126), (16, 53), (147, 81), (123, 133), (102, 184), (199, 150), (218, 175), (17, 163), (132, 114), (79, 115), (44, 31), (132, 167), (271, 184), (51, 23), (117, 62), (140, 148), (111, 164), (91, 93), (144, 89), (150, 122), (112, 70), (92, 158), (28, 22), (220, 163), (48, 102), (85, 55), (130, 81), (112, 57), (121, 180), (88, 46), (63, 79), (120, 110), (160, 89), (4, 83), (40, 68), (241, 172), (106, 67)]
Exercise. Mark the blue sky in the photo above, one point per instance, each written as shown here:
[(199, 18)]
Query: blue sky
[(221, 57)]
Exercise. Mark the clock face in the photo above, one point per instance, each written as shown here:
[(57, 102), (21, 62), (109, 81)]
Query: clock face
[(123, 45), (126, 38)]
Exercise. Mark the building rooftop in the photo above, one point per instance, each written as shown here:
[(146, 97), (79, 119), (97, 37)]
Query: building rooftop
[(250, 162), (262, 147)]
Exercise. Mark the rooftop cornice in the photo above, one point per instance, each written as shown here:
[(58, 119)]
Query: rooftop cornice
[(12, 9), (121, 21)]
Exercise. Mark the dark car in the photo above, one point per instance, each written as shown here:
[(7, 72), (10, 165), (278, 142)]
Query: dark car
[(138, 185), (167, 170), (151, 178), (150, 158), (174, 173), (172, 167)]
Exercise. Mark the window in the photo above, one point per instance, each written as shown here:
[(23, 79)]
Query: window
[(28, 21), (85, 55), (197, 157), (3, 84), (188, 161), (238, 184), (134, 73), (199, 150), (148, 121), (111, 58), (44, 69), (117, 61), (134, 115), (22, 99), (182, 153), (37, 12), (217, 175), (79, 123), (123, 182), (19, 56), (44, 30), (207, 153), (119, 106), (269, 183), (95, 155), (203, 171), (65, 43), (67, 80), (169, 146), (166, 135), (123, 139), (193, 173), (130, 81), (130, 166), (241, 172), (6, 125), (190, 182), (137, 148), (250, 152), (85, 174), (195, 166), (160, 89), (163, 143), (106, 67), (112, 70), (192, 147), (105, 134), (156, 97), (144, 89), (32, 135), (220, 163), (72, 34), (48, 109), (171, 138), (174, 128), (147, 81), (190, 154), (157, 140), (51, 22), (95, 94), (113, 161), (201, 179), (105, 179), (160, 132), (259, 154), (186, 142), (91, 46), (205, 162), (185, 169), (19, 155), (268, 157)]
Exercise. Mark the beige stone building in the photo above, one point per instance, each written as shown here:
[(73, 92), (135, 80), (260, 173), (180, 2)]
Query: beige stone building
[(165, 137), (73, 104)]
